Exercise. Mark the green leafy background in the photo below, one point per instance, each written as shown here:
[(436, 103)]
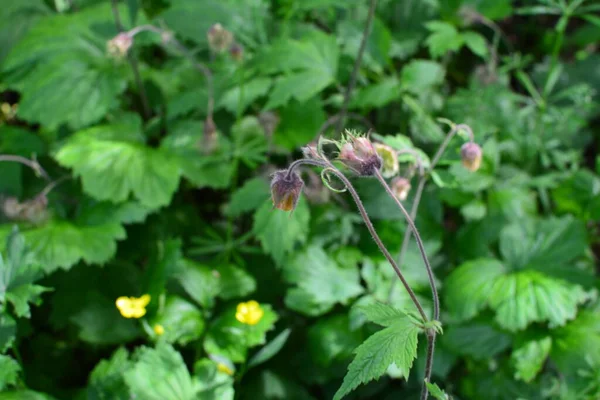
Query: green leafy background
[(143, 200)]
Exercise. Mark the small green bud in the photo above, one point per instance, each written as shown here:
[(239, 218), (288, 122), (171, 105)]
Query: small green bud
[(389, 158), (119, 46)]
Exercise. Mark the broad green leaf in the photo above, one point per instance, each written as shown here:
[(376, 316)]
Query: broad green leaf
[(436, 392), (231, 338), (576, 341), (16, 18), (331, 341), (18, 271), (270, 349), (160, 374), (199, 281), (476, 43), (395, 344), (249, 197), (9, 371), (182, 321), (381, 314), (467, 289), (234, 282), (8, 331), (106, 380), (61, 244), (279, 232), (525, 297), (185, 145), (443, 38), (299, 123), (477, 340), (529, 358), (377, 95), (421, 75), (100, 323), (309, 66), (579, 195), (69, 79), (320, 282), (547, 244), (242, 96), (114, 165), (212, 384)]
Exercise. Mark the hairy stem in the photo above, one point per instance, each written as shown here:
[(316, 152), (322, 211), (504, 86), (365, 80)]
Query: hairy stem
[(304, 161), (436, 300), (33, 164), (376, 238), (419, 192), (359, 56), (133, 62)]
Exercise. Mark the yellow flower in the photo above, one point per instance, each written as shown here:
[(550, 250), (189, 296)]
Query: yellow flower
[(224, 368), (159, 329), (133, 307), (249, 313)]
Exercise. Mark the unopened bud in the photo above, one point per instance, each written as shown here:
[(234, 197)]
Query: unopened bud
[(401, 187), (389, 157), (236, 51), (471, 154), (119, 45), (286, 189), (359, 155), (11, 208), (219, 38)]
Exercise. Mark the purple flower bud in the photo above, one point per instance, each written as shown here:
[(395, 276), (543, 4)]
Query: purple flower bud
[(285, 190), (359, 155), (236, 51), (471, 154), (219, 38), (401, 187), (120, 45)]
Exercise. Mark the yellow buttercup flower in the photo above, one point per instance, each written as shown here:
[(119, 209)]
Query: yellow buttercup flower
[(133, 307), (249, 313), (224, 368), (159, 329)]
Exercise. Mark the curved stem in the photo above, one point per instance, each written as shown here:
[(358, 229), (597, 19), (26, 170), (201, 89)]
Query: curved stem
[(133, 61), (359, 56), (304, 161), (436, 300), (33, 164), (376, 238)]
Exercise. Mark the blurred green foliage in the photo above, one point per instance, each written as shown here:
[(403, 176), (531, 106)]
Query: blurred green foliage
[(151, 160)]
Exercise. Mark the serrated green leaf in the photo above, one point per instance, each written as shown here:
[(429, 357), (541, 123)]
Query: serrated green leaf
[(241, 96), (529, 358), (320, 282), (15, 20), (234, 282), (576, 341), (476, 43), (270, 349), (70, 79), (377, 95), (8, 331), (421, 75), (185, 145), (443, 38), (199, 281), (300, 122), (395, 344), (106, 380), (477, 340), (436, 392), (212, 384), (61, 244), (9, 371), (18, 271), (249, 197), (279, 231), (468, 287), (230, 338), (381, 314), (160, 374), (182, 321), (112, 167)]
